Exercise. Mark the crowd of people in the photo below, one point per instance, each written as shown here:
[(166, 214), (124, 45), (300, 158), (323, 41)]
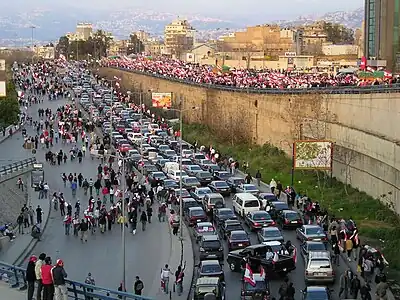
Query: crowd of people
[(240, 78)]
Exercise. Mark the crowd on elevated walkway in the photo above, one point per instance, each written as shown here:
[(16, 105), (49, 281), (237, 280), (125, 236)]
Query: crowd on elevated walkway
[(239, 78)]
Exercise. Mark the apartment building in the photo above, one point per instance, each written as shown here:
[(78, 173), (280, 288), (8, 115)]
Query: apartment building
[(84, 31), (142, 35), (313, 36), (382, 33), (179, 37)]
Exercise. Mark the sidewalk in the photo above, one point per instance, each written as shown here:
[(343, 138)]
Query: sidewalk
[(9, 293), (15, 129)]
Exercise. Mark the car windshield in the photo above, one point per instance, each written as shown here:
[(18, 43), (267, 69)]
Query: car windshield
[(197, 212), (316, 247), (195, 168), (259, 286), (238, 181), (202, 290), (212, 244), (234, 227), (178, 174), (203, 191), (216, 200), (206, 162), (221, 184), (317, 295), (211, 269), (250, 188), (314, 230), (169, 183), (205, 228), (240, 236), (158, 175), (261, 216), (272, 233), (292, 216), (320, 264), (170, 152), (281, 206), (191, 180), (226, 212), (204, 175)]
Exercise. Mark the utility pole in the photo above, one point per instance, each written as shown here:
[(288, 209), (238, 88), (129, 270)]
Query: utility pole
[(33, 50)]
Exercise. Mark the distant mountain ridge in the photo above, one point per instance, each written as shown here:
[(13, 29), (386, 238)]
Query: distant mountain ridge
[(50, 25)]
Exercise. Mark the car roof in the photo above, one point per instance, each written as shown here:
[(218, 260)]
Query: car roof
[(271, 229), (272, 243), (208, 224), (207, 281), (232, 222), (210, 262), (316, 288), (238, 232), (195, 208), (314, 242), (311, 226), (211, 195), (246, 196), (210, 238), (259, 212), (189, 177), (217, 181), (224, 209), (319, 254), (279, 202), (249, 184), (189, 200), (235, 178), (288, 211)]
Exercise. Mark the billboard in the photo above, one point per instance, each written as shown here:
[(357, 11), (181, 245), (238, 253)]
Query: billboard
[(312, 155), (161, 100)]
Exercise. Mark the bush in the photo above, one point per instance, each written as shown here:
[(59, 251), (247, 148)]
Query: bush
[(374, 219)]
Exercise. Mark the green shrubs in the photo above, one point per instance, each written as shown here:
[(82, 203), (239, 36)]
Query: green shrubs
[(375, 220)]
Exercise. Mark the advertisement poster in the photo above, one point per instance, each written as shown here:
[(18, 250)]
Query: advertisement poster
[(161, 100), (313, 155)]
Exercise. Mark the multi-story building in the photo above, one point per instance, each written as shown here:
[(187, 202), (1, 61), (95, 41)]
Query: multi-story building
[(45, 52), (84, 31), (179, 37), (142, 35), (313, 36), (154, 48), (382, 33), (269, 40)]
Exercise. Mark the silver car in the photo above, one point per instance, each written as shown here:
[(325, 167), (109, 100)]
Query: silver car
[(319, 268)]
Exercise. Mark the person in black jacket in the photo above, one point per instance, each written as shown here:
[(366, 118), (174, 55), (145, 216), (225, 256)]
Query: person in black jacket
[(31, 276), (59, 276)]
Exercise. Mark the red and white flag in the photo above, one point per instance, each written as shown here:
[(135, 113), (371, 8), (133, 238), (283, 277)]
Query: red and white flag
[(248, 276), (295, 254), (276, 258)]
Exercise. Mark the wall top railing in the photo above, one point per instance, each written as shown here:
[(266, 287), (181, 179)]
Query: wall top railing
[(370, 89), (16, 277), (17, 166)]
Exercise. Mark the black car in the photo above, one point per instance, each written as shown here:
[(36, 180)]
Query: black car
[(234, 182), (269, 234), (210, 268), (289, 219), (238, 239), (211, 248), (156, 176), (221, 175), (204, 177), (170, 184), (221, 187), (220, 215), (259, 290), (316, 292), (207, 285), (187, 203), (229, 226), (267, 198), (258, 219), (275, 208)]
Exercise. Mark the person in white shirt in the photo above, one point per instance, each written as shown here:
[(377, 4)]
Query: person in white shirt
[(165, 273), (272, 185)]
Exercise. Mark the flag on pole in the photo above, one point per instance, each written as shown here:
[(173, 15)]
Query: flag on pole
[(276, 258), (248, 276)]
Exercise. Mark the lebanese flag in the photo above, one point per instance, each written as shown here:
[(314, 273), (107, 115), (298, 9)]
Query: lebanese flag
[(387, 74), (62, 130), (276, 258), (295, 254), (83, 134), (248, 276)]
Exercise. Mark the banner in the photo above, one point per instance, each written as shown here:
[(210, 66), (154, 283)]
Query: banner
[(3, 92), (161, 100), (312, 155)]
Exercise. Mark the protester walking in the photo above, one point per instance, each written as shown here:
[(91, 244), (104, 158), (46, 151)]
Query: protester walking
[(31, 276), (58, 274)]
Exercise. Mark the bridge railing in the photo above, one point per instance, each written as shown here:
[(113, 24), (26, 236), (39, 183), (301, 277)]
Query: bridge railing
[(16, 277), (313, 90), (17, 166)]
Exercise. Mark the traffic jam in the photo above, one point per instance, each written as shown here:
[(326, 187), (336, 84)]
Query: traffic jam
[(247, 242)]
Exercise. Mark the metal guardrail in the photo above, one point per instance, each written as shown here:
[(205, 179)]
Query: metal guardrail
[(314, 90), (16, 277), (17, 166)]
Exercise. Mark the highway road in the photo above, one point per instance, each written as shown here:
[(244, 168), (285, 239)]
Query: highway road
[(146, 252)]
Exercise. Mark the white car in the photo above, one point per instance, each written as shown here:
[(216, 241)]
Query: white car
[(176, 174)]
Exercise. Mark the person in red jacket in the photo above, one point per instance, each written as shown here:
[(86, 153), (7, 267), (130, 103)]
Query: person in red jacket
[(47, 279)]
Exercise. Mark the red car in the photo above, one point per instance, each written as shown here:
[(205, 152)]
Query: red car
[(195, 215), (125, 148)]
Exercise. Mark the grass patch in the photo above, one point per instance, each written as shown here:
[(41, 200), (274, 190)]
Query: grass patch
[(375, 220)]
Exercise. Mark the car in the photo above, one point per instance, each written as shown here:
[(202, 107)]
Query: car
[(238, 239), (197, 157), (311, 233), (289, 219), (170, 184), (211, 201), (208, 285), (210, 268), (221, 175), (275, 208), (268, 234), (194, 215), (308, 246), (267, 198), (211, 248), (181, 193), (190, 183), (168, 154), (199, 192), (234, 182), (203, 228), (220, 215), (161, 163), (191, 170), (204, 163), (125, 147), (156, 176), (316, 293), (204, 177), (258, 219), (163, 148), (187, 203), (186, 153), (257, 290), (247, 188), (318, 268), (176, 174), (229, 226), (221, 187)]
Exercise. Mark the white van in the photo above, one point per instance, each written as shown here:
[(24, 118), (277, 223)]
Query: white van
[(243, 203), (170, 165), (176, 174)]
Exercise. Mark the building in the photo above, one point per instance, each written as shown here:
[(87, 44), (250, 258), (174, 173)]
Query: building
[(268, 40), (330, 49), (382, 33), (84, 31), (155, 48), (142, 35), (312, 38), (179, 37), (200, 53)]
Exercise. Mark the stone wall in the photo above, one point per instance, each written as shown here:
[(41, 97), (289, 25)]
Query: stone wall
[(362, 126)]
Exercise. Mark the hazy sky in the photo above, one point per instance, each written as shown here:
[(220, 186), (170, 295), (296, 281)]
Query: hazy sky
[(270, 8)]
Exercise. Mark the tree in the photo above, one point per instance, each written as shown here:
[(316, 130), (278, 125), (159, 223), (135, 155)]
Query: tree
[(135, 45), (248, 52), (9, 107), (338, 34), (63, 47), (102, 42)]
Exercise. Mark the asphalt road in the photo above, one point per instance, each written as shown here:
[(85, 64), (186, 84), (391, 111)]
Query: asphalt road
[(233, 283), (146, 252)]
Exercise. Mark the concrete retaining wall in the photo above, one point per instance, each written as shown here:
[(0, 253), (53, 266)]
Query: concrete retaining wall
[(362, 126)]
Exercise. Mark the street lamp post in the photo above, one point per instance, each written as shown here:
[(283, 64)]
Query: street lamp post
[(115, 79), (33, 50), (181, 111)]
